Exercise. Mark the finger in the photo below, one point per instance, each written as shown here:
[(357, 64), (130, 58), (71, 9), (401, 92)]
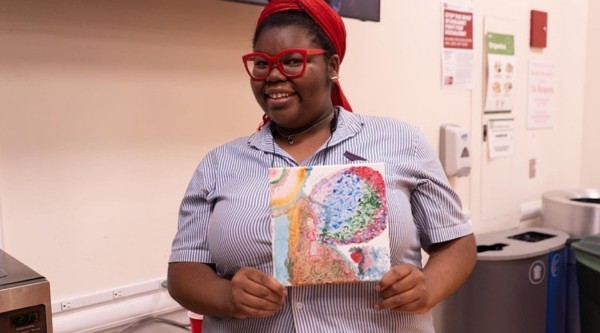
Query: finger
[(255, 283), (261, 292), (246, 304), (269, 283), (252, 306), (244, 312), (395, 274), (399, 302), (407, 283), (418, 306)]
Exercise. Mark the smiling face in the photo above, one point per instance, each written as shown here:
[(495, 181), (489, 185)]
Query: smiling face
[(299, 102)]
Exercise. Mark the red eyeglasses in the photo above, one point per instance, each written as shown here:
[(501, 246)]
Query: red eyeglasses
[(290, 62)]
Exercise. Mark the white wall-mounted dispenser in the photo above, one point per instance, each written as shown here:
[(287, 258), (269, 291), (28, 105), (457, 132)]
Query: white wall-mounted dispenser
[(455, 150)]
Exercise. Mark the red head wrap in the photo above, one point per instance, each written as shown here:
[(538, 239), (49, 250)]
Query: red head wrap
[(328, 20)]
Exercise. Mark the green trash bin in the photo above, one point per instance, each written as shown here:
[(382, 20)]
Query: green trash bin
[(587, 252)]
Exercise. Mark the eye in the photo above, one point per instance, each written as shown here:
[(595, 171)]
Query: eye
[(260, 63), (293, 59), (293, 62)]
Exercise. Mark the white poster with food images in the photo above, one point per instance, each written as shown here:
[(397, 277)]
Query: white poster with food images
[(501, 73)]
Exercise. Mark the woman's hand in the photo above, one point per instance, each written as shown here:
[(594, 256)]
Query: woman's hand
[(253, 293), (404, 288), (407, 288), (250, 293)]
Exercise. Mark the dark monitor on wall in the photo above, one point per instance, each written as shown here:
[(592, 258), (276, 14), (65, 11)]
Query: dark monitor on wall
[(365, 10)]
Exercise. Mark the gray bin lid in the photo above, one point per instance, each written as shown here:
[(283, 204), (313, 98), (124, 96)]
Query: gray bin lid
[(587, 251), (519, 243), (590, 245)]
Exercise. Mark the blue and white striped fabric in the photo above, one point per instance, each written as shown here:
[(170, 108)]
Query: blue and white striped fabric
[(225, 220)]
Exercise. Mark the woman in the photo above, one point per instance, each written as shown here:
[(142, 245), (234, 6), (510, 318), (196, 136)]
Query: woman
[(221, 263)]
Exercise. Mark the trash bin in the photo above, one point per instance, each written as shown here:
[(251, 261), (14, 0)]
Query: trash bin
[(576, 212), (587, 252), (518, 285)]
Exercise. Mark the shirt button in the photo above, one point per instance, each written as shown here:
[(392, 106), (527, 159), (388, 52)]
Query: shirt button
[(299, 305)]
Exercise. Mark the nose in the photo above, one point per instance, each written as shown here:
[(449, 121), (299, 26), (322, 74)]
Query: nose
[(275, 74)]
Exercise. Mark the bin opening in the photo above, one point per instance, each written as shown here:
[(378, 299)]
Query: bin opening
[(531, 236), (493, 247), (587, 200)]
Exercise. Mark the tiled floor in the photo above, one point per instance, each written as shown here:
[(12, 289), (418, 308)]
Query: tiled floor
[(157, 327)]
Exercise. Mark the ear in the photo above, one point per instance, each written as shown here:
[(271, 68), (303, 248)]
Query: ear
[(333, 67)]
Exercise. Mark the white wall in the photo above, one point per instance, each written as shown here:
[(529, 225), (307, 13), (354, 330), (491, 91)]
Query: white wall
[(106, 109), (108, 106), (591, 123)]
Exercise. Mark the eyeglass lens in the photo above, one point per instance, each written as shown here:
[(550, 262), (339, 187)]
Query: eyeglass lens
[(290, 63)]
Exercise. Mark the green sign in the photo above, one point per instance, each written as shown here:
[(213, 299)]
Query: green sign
[(500, 44)]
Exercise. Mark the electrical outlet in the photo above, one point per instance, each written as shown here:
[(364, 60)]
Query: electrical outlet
[(118, 293), (66, 305), (532, 168)]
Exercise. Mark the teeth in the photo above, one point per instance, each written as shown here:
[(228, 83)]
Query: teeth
[(279, 95)]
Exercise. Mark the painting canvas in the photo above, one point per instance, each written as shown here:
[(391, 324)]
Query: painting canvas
[(329, 224)]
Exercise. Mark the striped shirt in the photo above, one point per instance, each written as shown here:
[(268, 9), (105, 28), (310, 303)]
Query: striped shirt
[(225, 219)]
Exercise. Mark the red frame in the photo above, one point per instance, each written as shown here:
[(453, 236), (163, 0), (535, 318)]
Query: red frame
[(275, 60)]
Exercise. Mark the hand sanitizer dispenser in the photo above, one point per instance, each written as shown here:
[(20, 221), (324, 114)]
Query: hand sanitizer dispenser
[(455, 150)]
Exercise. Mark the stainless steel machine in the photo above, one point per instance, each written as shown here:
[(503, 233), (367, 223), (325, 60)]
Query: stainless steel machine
[(24, 298)]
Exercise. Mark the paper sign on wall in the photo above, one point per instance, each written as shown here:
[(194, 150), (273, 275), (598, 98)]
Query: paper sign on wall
[(457, 49), (500, 72), (500, 137), (541, 95)]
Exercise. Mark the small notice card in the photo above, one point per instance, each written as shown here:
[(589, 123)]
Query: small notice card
[(329, 224)]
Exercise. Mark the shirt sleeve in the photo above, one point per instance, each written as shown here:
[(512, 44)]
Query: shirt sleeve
[(436, 207), (191, 242)]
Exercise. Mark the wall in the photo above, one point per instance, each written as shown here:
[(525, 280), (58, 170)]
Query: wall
[(590, 132), (108, 106), (505, 182)]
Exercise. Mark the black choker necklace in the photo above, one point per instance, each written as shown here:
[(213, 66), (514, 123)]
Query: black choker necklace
[(290, 137)]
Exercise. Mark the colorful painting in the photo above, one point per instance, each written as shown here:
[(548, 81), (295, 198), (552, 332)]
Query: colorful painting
[(329, 224)]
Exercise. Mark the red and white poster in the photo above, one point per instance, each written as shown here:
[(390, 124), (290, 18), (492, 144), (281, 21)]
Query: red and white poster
[(541, 95), (457, 48)]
